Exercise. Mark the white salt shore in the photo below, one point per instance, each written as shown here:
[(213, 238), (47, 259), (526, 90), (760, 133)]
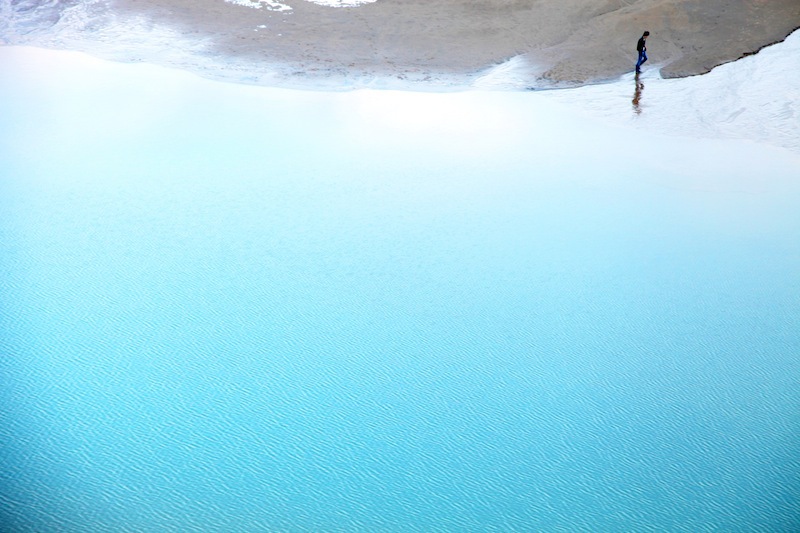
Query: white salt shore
[(754, 99)]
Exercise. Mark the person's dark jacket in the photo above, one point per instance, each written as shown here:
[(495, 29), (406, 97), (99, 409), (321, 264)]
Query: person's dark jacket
[(640, 46)]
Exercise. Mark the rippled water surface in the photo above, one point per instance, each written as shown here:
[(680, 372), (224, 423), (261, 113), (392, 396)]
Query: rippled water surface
[(228, 308)]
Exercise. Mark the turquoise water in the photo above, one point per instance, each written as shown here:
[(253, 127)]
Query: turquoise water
[(242, 309)]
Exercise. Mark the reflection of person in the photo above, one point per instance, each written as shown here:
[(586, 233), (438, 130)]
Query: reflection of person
[(637, 96), (641, 47)]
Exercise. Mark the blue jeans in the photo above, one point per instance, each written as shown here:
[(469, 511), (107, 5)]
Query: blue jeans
[(642, 59)]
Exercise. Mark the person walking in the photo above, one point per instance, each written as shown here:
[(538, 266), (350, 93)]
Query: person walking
[(641, 47)]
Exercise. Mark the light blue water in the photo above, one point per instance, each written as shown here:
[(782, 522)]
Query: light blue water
[(239, 309)]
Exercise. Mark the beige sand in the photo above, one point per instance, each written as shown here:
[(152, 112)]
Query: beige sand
[(565, 42)]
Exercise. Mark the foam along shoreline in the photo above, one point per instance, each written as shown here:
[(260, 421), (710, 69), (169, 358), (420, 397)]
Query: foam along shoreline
[(443, 45)]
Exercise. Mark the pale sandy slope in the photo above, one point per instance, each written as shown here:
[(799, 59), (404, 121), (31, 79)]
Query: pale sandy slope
[(566, 41), (411, 43)]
